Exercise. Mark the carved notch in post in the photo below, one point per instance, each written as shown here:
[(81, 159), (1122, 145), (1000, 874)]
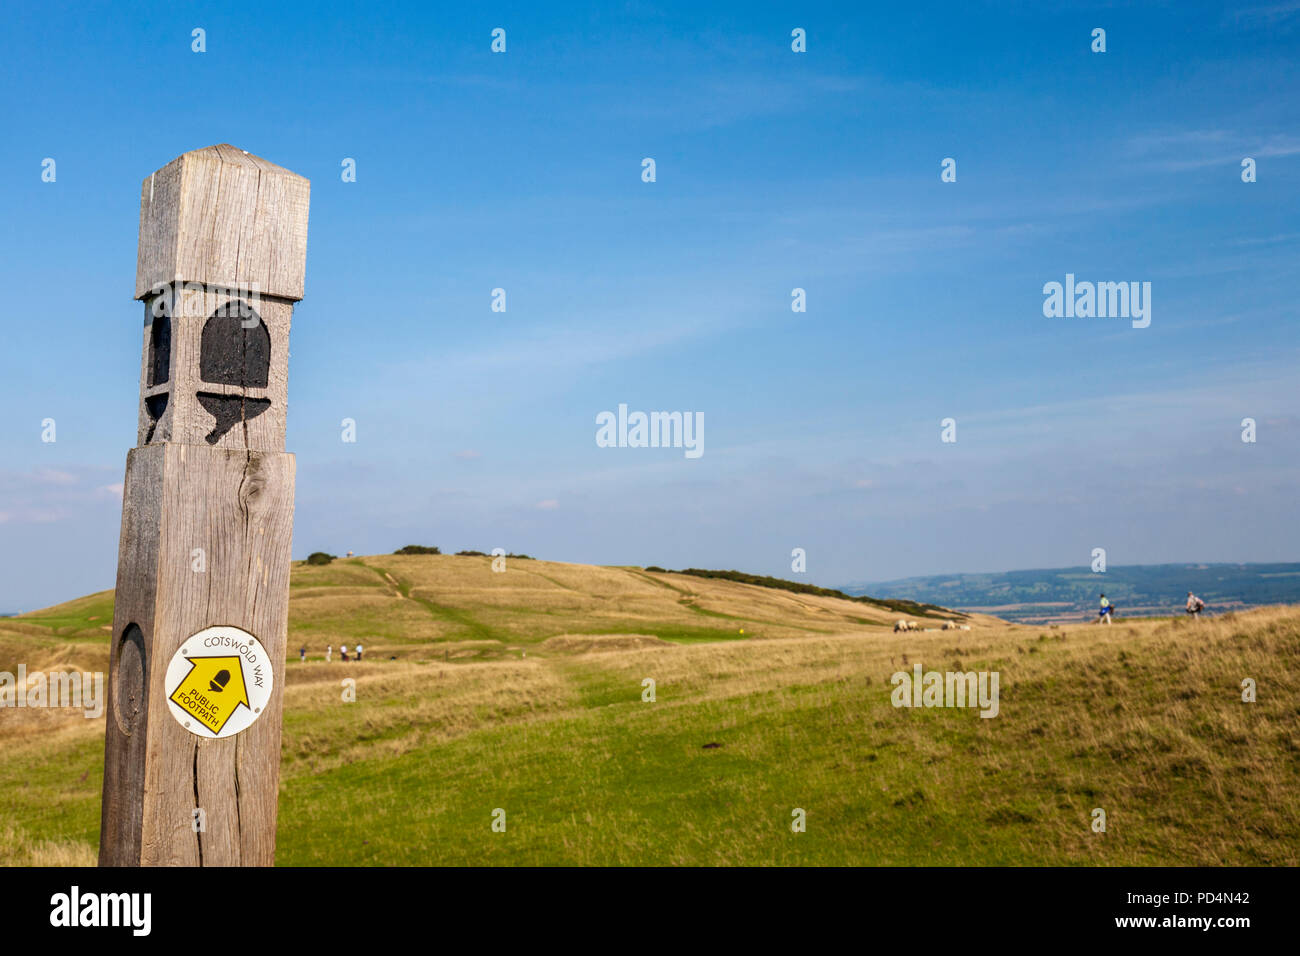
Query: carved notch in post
[(192, 740)]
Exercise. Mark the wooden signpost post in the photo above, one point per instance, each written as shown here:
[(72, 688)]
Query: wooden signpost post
[(192, 745)]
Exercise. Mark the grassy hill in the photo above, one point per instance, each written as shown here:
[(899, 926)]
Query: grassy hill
[(523, 691)]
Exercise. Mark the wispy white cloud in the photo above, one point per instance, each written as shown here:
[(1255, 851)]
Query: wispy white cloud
[(1181, 151), (47, 495), (54, 477), (1276, 239), (1270, 15)]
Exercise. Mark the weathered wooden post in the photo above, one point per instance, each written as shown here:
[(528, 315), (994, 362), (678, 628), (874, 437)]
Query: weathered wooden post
[(192, 745)]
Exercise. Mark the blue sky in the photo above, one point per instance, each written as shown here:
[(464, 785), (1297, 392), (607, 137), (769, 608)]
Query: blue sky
[(775, 170)]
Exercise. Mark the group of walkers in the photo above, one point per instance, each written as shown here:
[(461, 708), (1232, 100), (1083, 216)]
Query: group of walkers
[(1194, 608), (329, 653)]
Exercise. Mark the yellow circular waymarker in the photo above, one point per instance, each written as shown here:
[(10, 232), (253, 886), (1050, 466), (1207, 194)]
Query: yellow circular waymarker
[(219, 682)]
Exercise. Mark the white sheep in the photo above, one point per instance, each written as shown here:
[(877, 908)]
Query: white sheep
[(900, 626), (950, 625)]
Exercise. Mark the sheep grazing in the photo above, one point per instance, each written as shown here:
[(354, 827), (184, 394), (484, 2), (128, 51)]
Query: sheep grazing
[(906, 626), (950, 625)]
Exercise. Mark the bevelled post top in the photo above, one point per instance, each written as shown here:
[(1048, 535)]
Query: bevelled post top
[(222, 217)]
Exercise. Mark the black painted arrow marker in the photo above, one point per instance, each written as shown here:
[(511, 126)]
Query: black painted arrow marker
[(235, 350)]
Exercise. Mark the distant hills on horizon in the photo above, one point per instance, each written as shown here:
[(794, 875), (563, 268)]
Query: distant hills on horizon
[(1067, 595)]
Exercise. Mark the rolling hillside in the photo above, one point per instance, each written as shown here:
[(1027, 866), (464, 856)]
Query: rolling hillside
[(449, 607), (523, 691)]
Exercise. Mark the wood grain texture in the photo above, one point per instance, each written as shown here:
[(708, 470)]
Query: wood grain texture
[(223, 217), (209, 479), (238, 507), (184, 417), (135, 604)]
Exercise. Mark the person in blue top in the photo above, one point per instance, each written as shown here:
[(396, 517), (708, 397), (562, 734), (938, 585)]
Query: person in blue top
[(1106, 609)]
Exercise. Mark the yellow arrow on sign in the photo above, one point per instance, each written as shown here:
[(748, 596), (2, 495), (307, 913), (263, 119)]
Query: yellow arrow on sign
[(212, 690)]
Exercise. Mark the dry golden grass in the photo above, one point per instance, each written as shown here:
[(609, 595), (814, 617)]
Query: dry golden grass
[(1144, 719), (401, 706), (598, 643), (18, 848), (537, 599)]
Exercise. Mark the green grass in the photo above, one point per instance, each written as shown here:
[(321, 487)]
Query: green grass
[(681, 634), (1144, 720), (83, 618), (618, 781), (56, 798)]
